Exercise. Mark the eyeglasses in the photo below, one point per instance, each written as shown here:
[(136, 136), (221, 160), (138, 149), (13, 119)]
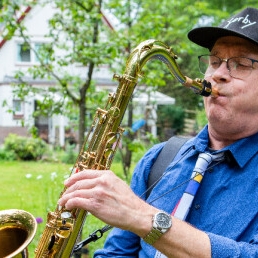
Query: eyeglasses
[(238, 67)]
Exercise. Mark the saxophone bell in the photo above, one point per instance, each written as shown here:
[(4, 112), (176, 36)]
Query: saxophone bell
[(17, 229)]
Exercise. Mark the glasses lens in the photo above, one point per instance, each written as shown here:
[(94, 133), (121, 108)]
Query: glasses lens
[(208, 64), (240, 67)]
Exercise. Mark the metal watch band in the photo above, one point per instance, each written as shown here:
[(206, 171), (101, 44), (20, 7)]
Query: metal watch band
[(153, 236)]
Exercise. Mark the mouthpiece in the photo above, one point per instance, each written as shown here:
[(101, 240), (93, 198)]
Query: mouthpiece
[(201, 87), (214, 92), (208, 90)]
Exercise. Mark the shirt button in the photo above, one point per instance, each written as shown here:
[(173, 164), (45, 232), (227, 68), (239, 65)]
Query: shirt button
[(197, 206), (210, 170)]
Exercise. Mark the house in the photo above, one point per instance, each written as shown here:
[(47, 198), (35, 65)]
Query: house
[(16, 115)]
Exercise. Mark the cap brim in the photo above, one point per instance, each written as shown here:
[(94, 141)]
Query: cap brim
[(207, 36)]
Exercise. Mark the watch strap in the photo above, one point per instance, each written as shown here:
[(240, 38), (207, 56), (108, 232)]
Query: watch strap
[(153, 236)]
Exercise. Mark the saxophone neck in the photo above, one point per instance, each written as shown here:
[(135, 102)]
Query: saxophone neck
[(153, 49)]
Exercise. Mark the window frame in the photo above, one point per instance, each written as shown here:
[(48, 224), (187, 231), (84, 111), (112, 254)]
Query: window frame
[(18, 113), (33, 60)]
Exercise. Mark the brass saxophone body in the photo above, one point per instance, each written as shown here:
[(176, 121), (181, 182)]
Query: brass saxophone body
[(63, 227)]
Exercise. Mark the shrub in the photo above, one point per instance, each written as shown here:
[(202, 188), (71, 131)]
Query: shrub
[(7, 155), (25, 148), (170, 121), (70, 155)]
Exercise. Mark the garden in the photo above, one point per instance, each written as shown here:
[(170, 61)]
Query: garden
[(34, 182)]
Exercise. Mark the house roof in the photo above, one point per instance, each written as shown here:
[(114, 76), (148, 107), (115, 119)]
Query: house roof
[(5, 34)]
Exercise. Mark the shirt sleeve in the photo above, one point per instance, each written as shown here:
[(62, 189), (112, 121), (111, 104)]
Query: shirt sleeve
[(121, 243), (223, 247)]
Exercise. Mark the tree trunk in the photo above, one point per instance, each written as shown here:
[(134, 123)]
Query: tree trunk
[(85, 87)]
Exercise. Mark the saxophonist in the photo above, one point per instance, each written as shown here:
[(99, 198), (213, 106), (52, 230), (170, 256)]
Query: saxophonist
[(222, 219)]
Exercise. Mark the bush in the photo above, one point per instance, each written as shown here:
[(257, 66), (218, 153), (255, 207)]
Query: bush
[(170, 121), (7, 155), (70, 155), (25, 148)]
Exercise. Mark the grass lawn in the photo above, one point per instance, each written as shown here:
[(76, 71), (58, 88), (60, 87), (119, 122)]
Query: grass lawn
[(35, 187)]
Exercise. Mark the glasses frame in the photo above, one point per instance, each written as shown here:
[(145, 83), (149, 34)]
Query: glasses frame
[(227, 63)]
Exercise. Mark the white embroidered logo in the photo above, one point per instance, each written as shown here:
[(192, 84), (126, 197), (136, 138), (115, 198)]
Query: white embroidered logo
[(244, 20)]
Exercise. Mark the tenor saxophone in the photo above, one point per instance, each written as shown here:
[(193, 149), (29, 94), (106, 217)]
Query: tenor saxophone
[(64, 226)]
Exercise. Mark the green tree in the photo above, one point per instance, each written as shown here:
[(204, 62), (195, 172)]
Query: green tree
[(74, 30)]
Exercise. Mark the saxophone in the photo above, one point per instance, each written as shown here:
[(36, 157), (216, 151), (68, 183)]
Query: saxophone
[(64, 226)]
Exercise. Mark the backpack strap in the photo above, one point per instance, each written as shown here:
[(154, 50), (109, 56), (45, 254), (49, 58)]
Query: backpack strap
[(164, 158)]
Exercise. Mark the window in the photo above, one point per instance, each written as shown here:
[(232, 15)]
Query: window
[(24, 53), (18, 109)]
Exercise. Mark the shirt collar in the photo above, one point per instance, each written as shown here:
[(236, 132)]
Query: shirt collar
[(242, 150)]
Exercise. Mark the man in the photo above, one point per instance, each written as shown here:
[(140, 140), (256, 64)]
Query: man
[(223, 219)]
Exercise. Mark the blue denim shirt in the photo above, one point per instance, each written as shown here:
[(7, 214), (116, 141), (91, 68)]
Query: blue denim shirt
[(225, 206)]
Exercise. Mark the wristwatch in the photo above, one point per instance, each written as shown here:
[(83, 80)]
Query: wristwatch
[(162, 222)]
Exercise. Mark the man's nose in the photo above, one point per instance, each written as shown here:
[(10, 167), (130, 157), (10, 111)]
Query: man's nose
[(222, 72)]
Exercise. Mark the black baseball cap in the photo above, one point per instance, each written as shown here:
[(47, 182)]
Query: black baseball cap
[(244, 25)]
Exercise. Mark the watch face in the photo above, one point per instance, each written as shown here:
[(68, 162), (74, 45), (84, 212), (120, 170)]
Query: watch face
[(163, 220)]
